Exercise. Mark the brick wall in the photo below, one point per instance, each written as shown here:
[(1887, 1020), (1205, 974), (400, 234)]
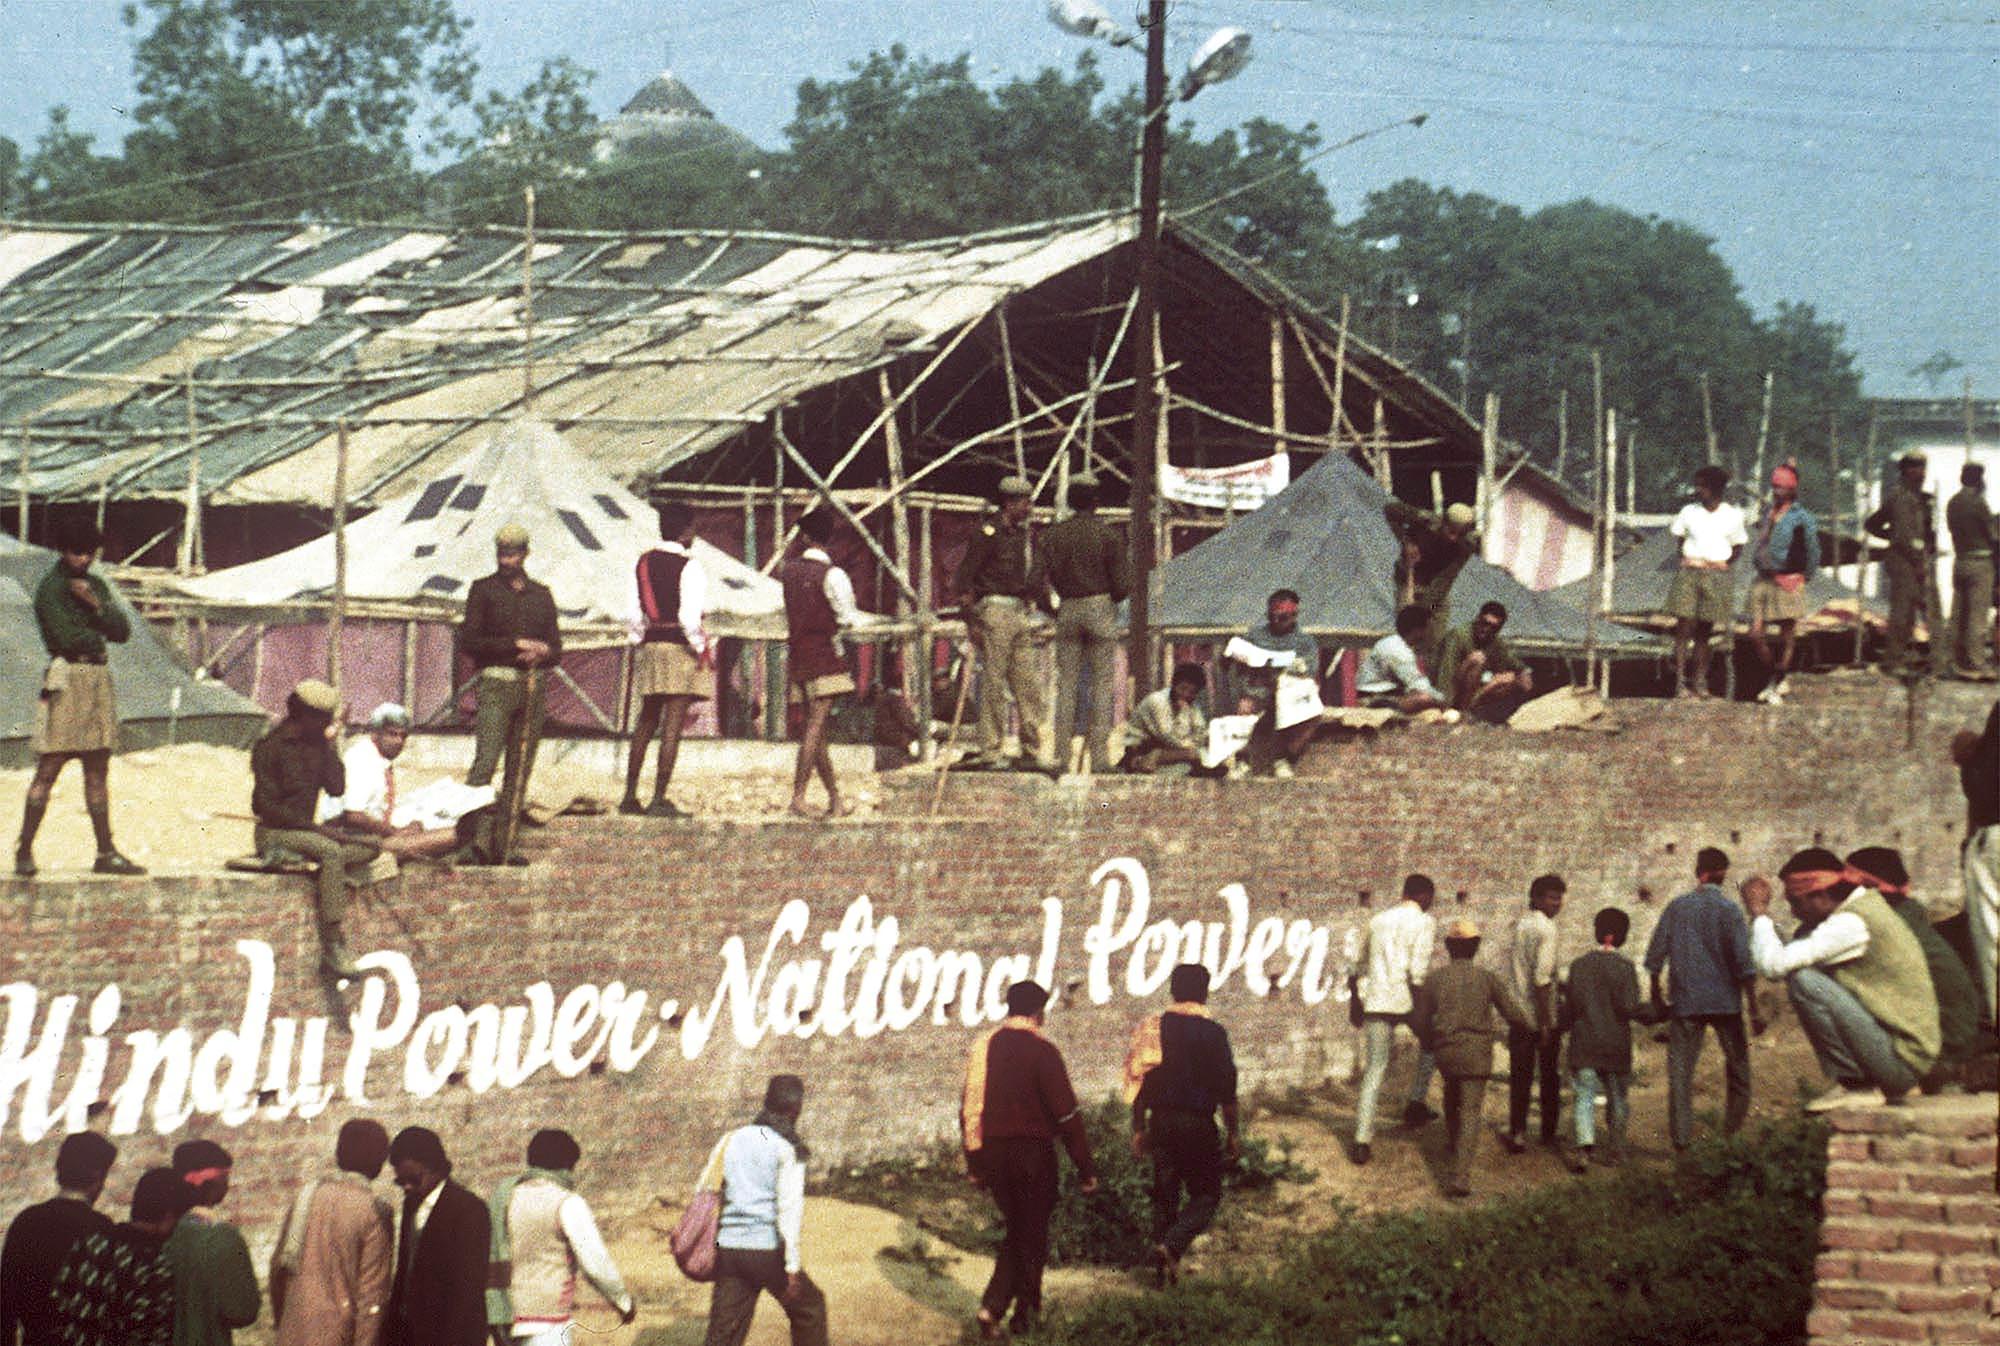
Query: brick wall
[(1911, 1234), (627, 924)]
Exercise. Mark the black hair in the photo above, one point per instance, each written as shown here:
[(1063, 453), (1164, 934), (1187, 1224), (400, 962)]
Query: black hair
[(421, 1144), (1713, 476), (1283, 596), (816, 525), (1026, 997), (1461, 948), (1084, 495), (1613, 922), (160, 1192), (83, 1159), (1494, 608), (1884, 862), (1189, 672), (1711, 860), (1188, 983), (1545, 884), (1971, 474), (785, 1095), (1816, 857), (1419, 885), (675, 518), (193, 1155), (361, 1147), (554, 1150), (1412, 619), (77, 535)]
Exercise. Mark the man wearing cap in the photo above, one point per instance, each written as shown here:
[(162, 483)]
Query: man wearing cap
[(1856, 975), (1085, 563), (411, 824), (336, 1248), (1458, 1011), (290, 768), (1906, 522), (1017, 1102), (672, 664), (1786, 557), (41, 1236), (999, 583), (77, 715), (1712, 535), (1435, 549), (215, 1287), (1276, 647), (510, 635), (543, 1235), (1974, 536)]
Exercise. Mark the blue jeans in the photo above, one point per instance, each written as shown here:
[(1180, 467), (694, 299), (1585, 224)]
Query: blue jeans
[(1378, 1033), (1588, 1083), (1853, 1049)]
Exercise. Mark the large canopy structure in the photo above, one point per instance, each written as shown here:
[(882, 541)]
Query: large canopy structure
[(1327, 536), (158, 700)]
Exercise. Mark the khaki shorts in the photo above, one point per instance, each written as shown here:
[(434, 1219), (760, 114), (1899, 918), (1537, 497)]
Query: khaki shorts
[(1769, 603), (827, 684), (1702, 596), (76, 712), (663, 668)]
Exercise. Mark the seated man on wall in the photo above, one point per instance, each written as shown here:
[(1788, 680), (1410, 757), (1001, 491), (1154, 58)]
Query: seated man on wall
[(420, 824), (1167, 728), (1272, 649), (1391, 677), (1857, 978), (1478, 670)]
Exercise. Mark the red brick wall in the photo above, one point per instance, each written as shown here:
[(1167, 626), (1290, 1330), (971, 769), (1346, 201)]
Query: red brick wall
[(1911, 1234), (651, 906)]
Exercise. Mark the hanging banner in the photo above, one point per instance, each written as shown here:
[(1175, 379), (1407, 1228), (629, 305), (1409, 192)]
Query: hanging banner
[(1242, 486)]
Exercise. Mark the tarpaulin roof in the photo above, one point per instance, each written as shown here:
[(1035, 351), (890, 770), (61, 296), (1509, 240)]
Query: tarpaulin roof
[(158, 700), (1644, 574), (1327, 537), (429, 544)]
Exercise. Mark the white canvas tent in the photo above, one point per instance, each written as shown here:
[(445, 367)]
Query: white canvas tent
[(428, 545)]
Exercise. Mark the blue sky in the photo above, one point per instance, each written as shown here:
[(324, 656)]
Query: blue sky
[(1842, 155)]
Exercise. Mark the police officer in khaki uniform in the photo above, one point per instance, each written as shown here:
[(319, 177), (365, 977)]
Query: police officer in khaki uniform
[(998, 585), (1085, 564), (1906, 521)]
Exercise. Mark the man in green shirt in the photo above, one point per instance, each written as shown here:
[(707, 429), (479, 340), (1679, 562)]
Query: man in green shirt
[(1083, 560), (1974, 537), (77, 716), (215, 1287), (1477, 670)]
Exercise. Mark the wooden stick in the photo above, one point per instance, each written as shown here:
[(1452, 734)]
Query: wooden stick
[(528, 299), (1489, 451), (1340, 365), (336, 622), (1013, 392), (21, 485), (927, 747), (1378, 451), (951, 735), (1610, 530), (1631, 469), (1277, 383), (1763, 431), (1708, 422), (899, 513), (841, 508), (1863, 470), (1562, 431), (1597, 420), (191, 517)]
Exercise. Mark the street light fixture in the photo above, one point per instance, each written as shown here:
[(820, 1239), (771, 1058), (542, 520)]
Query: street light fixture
[(1221, 57)]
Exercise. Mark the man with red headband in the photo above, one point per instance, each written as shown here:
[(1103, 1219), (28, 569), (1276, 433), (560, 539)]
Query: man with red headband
[(1960, 1040), (215, 1287), (1786, 555), (1856, 975)]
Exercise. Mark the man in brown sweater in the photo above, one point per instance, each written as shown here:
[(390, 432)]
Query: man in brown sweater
[(1457, 1015)]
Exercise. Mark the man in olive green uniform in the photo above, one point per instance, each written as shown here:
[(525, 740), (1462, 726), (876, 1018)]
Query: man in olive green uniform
[(1435, 549), (510, 634), (997, 584), (76, 716), (1904, 521), (1456, 1014), (1973, 538), (1085, 563)]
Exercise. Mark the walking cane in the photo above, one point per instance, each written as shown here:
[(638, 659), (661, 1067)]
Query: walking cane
[(951, 735), (517, 756)]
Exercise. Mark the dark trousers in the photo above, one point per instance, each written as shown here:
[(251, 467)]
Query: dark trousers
[(741, 1274), (1528, 1057), (1021, 1175), (1684, 1036), (1464, 1100), (1187, 1154), (1912, 593)]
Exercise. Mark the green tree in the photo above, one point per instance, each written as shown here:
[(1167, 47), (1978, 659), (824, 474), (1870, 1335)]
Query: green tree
[(541, 136)]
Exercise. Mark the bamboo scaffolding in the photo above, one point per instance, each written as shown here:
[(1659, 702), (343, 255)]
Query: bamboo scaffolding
[(528, 300), (1013, 391), (22, 484), (336, 622), (1708, 422)]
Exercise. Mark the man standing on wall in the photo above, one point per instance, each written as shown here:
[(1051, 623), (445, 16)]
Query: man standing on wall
[(1178, 1072), (42, 1236), (1974, 538), (1395, 959), (439, 1294), (1702, 943), (1017, 1101), (215, 1287), (1087, 567), (331, 1271), (819, 605), (77, 715), (997, 581), (1906, 521), (1786, 557), (1435, 549), (1712, 535), (1537, 1052), (543, 1235), (672, 665), (510, 635)]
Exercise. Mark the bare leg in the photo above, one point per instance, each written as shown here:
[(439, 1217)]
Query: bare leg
[(836, 807), (1704, 647), (1788, 640), (673, 720), (97, 796), (430, 844), (642, 738), (812, 747), (47, 767), (1683, 637), (1758, 644)]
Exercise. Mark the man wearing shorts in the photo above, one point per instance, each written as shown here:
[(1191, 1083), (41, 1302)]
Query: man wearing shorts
[(819, 603), (1787, 557), (77, 716), (671, 664), (1712, 536)]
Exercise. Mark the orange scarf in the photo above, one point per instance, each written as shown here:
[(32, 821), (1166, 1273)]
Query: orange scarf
[(972, 1109), (1145, 1052)]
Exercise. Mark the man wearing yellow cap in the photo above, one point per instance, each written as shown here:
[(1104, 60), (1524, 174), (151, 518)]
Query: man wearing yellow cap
[(510, 635), (1458, 1009), (1435, 549), (1907, 522), (999, 582)]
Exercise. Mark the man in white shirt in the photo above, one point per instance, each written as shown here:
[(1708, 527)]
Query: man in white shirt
[(1395, 957), (819, 606), (418, 824), (673, 664), (1712, 536), (1534, 1054), (543, 1235), (1391, 675), (1857, 978)]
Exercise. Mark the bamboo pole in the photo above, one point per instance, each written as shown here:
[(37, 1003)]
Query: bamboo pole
[(1378, 454), (1489, 452), (103, 500), (1631, 469), (21, 485), (1013, 393), (899, 513), (336, 623), (1597, 421), (927, 750), (1340, 363), (1277, 382), (1590, 612), (1610, 533), (1708, 422), (528, 299), (1562, 431), (842, 508), (1763, 431), (191, 516), (1863, 470)]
